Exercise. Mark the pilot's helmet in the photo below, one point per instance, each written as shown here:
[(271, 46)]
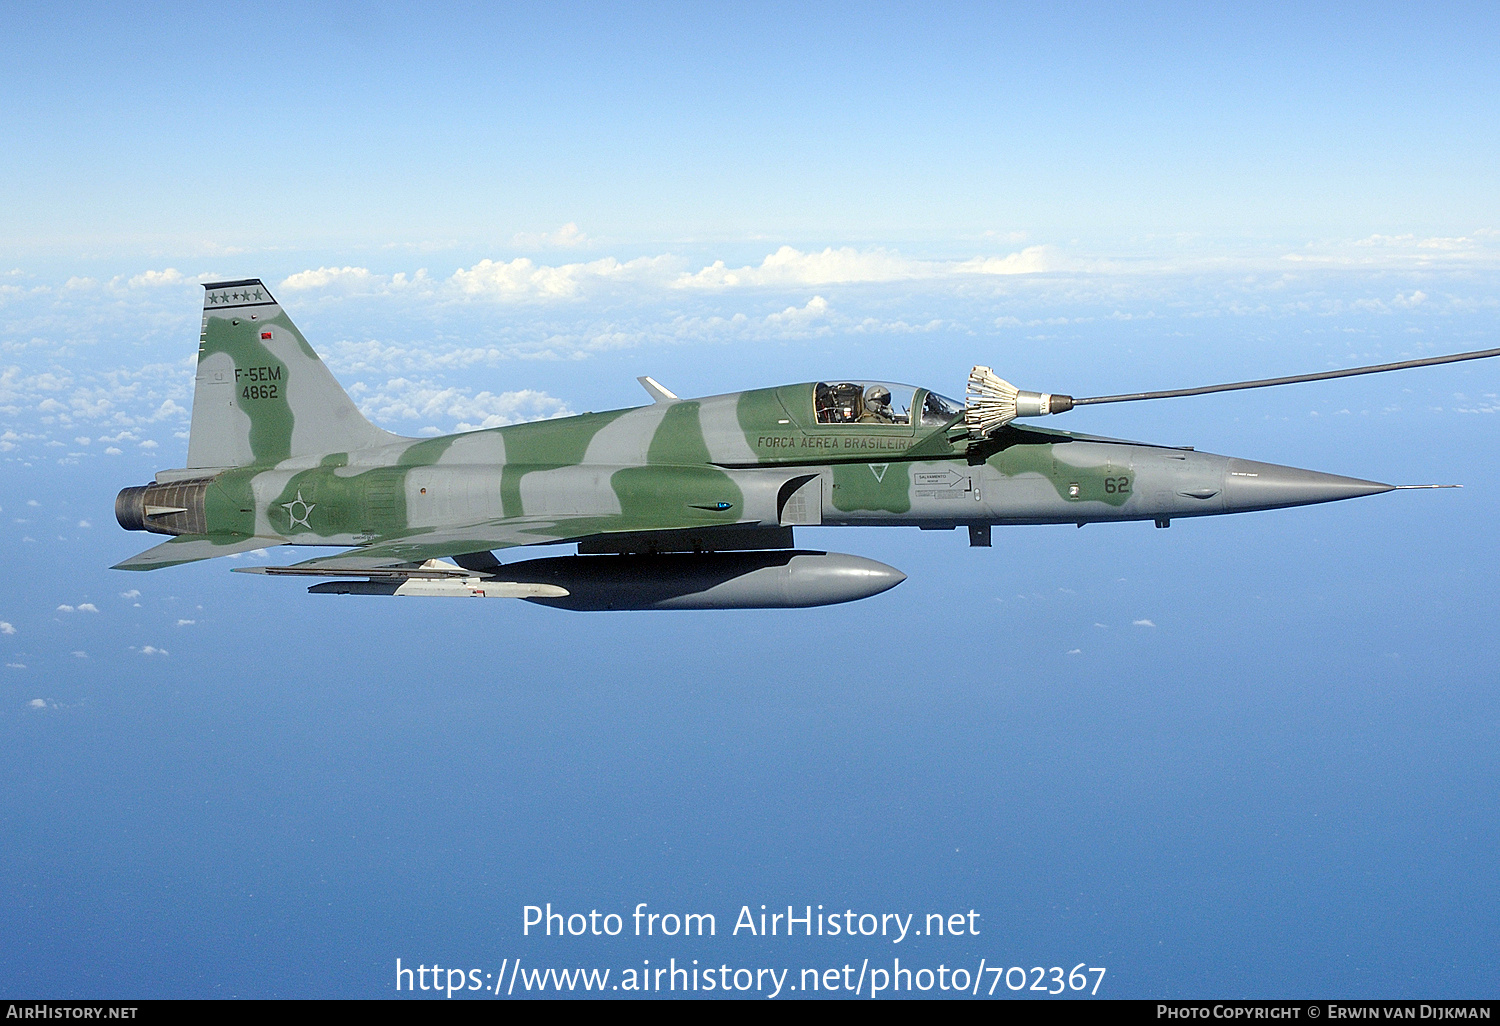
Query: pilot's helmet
[(878, 395)]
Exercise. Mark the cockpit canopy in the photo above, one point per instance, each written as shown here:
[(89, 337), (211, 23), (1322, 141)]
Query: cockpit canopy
[(880, 402), (938, 410)]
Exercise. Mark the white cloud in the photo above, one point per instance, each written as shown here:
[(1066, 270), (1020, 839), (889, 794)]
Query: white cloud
[(1142, 623), (1031, 260), (84, 523), (152, 650), (1401, 301), (1401, 251), (171, 276), (186, 623), (569, 236), (59, 389), (6, 628), (16, 666), (816, 309), (790, 267), (344, 278), (80, 655), (133, 593), (38, 703), (65, 609), (88, 607), (99, 397), (403, 400), (522, 279)]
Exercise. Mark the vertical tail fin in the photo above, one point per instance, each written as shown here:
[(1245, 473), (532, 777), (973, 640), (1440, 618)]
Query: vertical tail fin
[(262, 395)]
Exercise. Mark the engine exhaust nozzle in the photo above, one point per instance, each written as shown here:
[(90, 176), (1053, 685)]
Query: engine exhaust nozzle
[(130, 508)]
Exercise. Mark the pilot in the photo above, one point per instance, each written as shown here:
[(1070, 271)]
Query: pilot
[(877, 406)]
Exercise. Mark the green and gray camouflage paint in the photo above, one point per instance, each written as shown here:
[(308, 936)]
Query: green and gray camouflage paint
[(279, 454)]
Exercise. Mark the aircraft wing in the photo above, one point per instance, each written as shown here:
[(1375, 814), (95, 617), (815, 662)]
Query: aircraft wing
[(412, 548), (418, 547), (189, 548)]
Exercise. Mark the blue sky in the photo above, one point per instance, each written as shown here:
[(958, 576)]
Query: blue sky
[(350, 125), (1246, 756)]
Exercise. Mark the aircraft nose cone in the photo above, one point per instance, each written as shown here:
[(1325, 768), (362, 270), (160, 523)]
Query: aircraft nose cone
[(1250, 486)]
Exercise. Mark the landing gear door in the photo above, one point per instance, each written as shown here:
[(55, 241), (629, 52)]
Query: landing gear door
[(801, 502)]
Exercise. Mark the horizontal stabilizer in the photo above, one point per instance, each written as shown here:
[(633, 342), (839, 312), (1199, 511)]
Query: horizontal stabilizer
[(190, 548)]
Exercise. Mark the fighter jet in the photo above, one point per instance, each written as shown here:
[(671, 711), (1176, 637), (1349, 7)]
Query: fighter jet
[(679, 504)]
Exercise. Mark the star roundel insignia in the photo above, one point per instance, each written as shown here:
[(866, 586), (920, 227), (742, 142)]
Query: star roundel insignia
[(298, 518)]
